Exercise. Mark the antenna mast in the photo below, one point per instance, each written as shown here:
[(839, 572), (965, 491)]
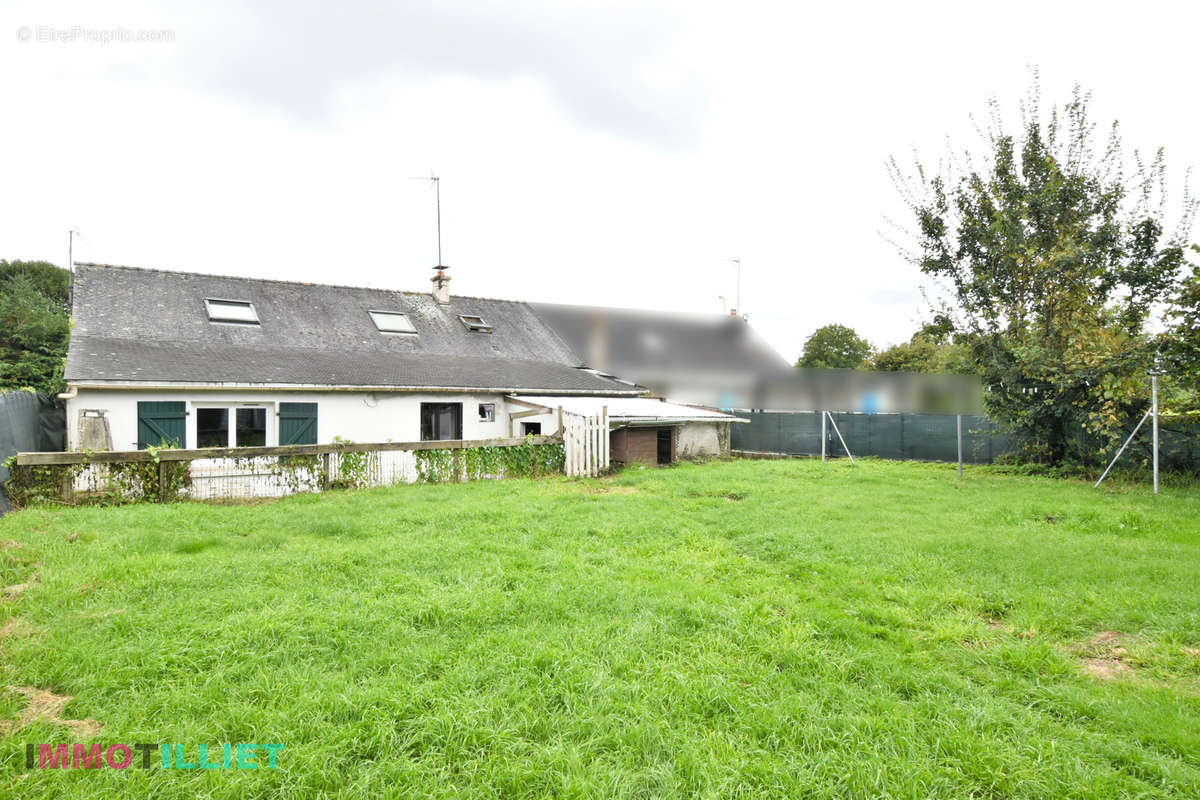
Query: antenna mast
[(437, 188), (737, 260)]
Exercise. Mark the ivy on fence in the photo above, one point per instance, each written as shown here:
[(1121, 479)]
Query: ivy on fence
[(157, 480), (108, 484)]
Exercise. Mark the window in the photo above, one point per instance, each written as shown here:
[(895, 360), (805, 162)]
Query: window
[(392, 322), (212, 427), (251, 427), (487, 412), (236, 311), (441, 421), (534, 428), (475, 323)]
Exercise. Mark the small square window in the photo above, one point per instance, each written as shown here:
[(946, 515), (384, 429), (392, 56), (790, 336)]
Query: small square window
[(473, 322), (440, 421), (392, 322), (212, 427), (487, 412), (238, 311)]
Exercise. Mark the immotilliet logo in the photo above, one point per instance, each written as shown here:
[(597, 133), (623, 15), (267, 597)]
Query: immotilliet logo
[(242, 755)]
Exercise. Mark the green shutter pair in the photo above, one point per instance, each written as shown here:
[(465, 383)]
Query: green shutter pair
[(164, 423)]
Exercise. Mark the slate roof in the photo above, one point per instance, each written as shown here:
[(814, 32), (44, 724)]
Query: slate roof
[(633, 343), (151, 326)]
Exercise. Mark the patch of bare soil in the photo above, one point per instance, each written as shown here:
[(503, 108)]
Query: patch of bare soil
[(46, 706), (15, 626), (1104, 656), (87, 587), (10, 544), (14, 591)]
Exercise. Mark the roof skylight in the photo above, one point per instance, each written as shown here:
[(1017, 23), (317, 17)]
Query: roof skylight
[(392, 322), (238, 311), (475, 323)]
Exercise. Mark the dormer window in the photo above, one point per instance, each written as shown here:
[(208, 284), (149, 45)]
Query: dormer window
[(239, 312), (474, 323), (392, 322)]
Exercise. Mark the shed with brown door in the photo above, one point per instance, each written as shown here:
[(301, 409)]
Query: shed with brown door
[(643, 445)]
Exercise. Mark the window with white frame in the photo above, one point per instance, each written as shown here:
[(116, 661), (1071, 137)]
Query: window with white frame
[(392, 322), (240, 312), (231, 426), (487, 412), (474, 322)]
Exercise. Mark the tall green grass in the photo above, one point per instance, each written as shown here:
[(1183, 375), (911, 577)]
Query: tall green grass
[(745, 629)]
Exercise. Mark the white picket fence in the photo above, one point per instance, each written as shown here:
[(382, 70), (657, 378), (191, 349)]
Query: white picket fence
[(585, 444)]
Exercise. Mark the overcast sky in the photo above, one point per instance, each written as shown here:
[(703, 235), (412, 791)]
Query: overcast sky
[(612, 154)]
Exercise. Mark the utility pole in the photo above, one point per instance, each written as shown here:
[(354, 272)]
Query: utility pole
[(71, 233)]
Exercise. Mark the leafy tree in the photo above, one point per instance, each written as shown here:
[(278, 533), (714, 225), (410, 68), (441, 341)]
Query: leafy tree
[(47, 278), (33, 328), (1053, 255), (834, 347), (1182, 341), (934, 348)]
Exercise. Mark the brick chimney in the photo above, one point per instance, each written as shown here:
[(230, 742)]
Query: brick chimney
[(441, 287)]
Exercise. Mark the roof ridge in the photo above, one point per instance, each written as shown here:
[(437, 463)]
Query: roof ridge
[(650, 311), (318, 284)]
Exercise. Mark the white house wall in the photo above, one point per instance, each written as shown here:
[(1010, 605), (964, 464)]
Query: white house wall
[(698, 440), (358, 416)]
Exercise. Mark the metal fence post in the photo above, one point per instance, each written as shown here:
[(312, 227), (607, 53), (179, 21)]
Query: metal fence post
[(823, 413), (958, 420), (1154, 410)]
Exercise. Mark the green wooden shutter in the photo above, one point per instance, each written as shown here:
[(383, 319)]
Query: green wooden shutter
[(161, 422), (297, 423)]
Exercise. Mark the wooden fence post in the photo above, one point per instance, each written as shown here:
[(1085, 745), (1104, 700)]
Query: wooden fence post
[(68, 487), (162, 481)]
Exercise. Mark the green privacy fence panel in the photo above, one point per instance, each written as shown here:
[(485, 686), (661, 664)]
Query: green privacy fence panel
[(924, 437), (159, 422), (297, 423)]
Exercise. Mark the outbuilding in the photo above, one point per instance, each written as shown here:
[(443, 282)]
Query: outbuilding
[(642, 430)]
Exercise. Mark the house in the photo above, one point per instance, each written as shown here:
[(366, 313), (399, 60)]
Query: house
[(212, 361), (708, 359)]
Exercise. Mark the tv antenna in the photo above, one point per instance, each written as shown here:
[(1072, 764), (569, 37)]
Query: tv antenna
[(437, 187), (738, 261)]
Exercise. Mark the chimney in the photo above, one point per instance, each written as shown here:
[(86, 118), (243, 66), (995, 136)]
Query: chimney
[(441, 287)]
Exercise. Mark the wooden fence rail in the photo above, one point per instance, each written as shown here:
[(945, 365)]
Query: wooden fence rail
[(230, 473), (173, 454)]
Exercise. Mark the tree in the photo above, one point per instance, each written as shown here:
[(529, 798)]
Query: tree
[(1182, 340), (47, 278), (834, 347), (934, 348), (34, 326), (1053, 255)]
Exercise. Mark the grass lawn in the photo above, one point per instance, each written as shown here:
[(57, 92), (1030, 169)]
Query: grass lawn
[(745, 629)]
